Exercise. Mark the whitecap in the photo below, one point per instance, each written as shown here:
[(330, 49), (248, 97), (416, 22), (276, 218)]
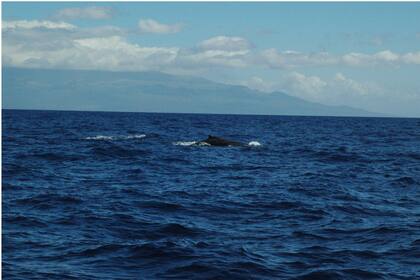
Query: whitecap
[(135, 136), (99, 137), (185, 143), (203, 144), (254, 144), (104, 137)]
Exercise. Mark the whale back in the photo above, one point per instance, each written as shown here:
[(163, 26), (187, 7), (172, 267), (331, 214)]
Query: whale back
[(217, 141)]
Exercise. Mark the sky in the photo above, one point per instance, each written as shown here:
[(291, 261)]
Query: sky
[(365, 55)]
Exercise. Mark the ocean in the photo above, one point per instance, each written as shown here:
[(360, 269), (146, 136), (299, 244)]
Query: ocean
[(103, 195)]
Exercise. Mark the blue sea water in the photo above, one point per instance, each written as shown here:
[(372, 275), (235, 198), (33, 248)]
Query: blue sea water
[(100, 195)]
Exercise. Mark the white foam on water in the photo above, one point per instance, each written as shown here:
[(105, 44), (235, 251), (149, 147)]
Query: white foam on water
[(200, 143), (254, 144), (135, 136), (185, 143), (99, 137), (104, 137), (203, 144)]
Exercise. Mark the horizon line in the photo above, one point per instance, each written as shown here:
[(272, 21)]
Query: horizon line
[(191, 113)]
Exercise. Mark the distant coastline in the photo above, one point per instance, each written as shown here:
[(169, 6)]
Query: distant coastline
[(91, 90), (188, 113)]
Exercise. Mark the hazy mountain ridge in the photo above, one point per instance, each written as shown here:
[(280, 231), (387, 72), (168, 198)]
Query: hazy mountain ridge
[(148, 92)]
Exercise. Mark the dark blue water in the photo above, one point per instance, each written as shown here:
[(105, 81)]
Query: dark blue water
[(126, 196)]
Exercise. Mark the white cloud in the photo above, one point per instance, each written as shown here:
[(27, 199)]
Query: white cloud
[(152, 26), (192, 58), (333, 90), (33, 24), (348, 85), (100, 31), (314, 88), (105, 48), (308, 87), (411, 58), (272, 58), (105, 53), (260, 84), (216, 51), (225, 43), (85, 13), (386, 56), (290, 58), (356, 59), (61, 44), (359, 59), (116, 53)]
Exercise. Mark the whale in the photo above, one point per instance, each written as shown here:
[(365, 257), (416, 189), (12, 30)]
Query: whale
[(219, 142)]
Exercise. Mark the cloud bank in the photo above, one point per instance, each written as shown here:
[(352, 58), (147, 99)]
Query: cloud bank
[(34, 24), (62, 44)]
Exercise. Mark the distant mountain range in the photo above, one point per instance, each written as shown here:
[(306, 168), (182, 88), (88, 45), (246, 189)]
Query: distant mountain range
[(149, 92)]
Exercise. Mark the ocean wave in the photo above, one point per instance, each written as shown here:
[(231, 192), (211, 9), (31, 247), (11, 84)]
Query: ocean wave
[(153, 251), (199, 143), (331, 156), (352, 273), (13, 169), (185, 143), (218, 270), (118, 152), (99, 137), (55, 156), (404, 181), (111, 138), (190, 143), (23, 221), (48, 200), (175, 229), (160, 205)]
